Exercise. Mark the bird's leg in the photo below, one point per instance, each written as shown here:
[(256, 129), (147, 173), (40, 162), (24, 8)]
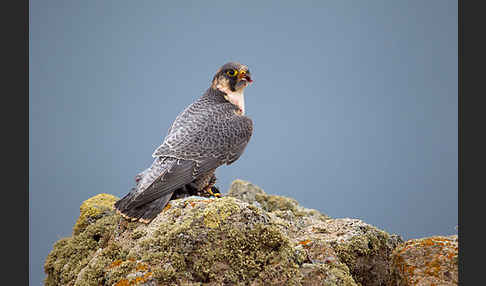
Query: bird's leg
[(203, 186), (211, 189), (180, 193), (214, 191)]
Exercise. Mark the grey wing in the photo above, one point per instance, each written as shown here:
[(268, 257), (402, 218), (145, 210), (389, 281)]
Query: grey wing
[(212, 139), (190, 121), (245, 127), (177, 174), (163, 177)]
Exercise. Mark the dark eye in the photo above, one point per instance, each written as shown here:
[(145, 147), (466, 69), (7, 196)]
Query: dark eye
[(232, 72)]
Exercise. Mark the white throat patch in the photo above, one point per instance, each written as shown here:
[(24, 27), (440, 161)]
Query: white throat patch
[(236, 97)]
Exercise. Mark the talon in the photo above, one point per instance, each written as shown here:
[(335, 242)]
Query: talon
[(210, 192), (215, 192)]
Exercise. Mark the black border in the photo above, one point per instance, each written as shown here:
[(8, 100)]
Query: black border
[(15, 118), (471, 170)]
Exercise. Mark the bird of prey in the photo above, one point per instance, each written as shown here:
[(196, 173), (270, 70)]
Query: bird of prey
[(210, 132)]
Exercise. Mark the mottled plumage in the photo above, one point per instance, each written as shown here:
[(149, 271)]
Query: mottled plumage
[(210, 132)]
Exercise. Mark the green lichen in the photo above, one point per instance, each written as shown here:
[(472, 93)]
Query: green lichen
[(272, 203), (251, 193), (138, 234), (209, 246), (70, 255), (362, 251), (84, 258), (327, 274), (114, 274), (218, 211), (93, 209)]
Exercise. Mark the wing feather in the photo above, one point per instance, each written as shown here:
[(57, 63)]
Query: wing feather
[(177, 174), (213, 131)]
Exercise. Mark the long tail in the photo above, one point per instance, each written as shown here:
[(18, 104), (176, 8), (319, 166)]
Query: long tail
[(145, 212), (167, 177)]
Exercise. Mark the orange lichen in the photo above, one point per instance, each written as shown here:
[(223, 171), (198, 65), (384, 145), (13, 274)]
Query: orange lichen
[(428, 242), (115, 263), (193, 202), (136, 281), (304, 242), (141, 267), (437, 254), (433, 267), (451, 255), (142, 279), (123, 282)]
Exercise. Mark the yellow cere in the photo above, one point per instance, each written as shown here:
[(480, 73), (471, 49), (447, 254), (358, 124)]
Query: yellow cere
[(242, 74)]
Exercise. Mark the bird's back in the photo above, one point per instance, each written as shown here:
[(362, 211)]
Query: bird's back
[(208, 127)]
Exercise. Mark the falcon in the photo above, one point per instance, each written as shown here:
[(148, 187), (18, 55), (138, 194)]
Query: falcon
[(210, 132)]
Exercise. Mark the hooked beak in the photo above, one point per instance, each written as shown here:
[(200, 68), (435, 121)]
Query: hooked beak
[(242, 75)]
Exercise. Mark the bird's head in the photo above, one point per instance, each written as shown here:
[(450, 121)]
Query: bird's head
[(232, 77)]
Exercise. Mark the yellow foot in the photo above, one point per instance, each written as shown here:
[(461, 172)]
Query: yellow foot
[(214, 193), (210, 191)]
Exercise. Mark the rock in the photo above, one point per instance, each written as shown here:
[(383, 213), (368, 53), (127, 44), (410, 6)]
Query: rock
[(325, 274), (426, 261), (245, 238), (362, 247), (93, 209)]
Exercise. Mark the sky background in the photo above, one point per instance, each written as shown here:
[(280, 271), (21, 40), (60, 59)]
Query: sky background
[(354, 104)]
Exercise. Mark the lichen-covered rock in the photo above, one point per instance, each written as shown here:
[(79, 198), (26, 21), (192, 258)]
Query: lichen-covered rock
[(216, 241), (285, 212), (363, 248), (325, 274), (279, 205), (245, 238), (426, 261), (92, 209), (70, 258)]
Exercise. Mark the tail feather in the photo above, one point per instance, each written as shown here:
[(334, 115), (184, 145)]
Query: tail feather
[(165, 179), (144, 213)]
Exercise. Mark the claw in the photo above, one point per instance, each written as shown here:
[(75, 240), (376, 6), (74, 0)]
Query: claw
[(214, 193), (210, 191)]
